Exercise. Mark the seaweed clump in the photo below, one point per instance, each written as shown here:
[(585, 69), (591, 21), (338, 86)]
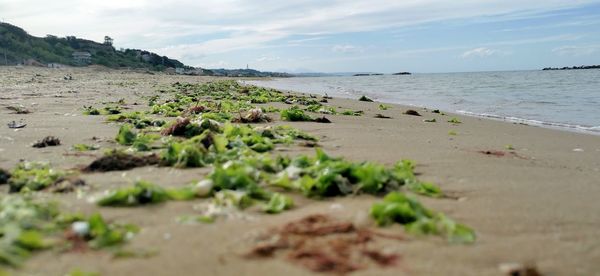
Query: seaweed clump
[(325, 176), (254, 116), (144, 193), (364, 98), (120, 161), (454, 121), (27, 227), (141, 193), (381, 116), (323, 244), (4, 176), (48, 141), (400, 208), (412, 112), (33, 176), (295, 114)]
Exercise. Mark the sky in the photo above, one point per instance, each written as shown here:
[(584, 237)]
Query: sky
[(332, 35)]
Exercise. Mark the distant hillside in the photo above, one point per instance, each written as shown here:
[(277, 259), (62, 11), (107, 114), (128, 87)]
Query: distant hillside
[(17, 47)]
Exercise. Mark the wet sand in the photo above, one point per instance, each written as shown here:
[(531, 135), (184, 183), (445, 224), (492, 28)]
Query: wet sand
[(535, 204)]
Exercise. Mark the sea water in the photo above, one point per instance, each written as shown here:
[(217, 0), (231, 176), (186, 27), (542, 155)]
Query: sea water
[(568, 99)]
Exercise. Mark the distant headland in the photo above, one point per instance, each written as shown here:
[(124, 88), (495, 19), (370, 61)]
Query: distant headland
[(582, 67), (20, 48)]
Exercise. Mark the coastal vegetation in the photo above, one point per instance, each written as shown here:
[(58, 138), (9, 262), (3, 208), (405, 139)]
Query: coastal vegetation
[(18, 46)]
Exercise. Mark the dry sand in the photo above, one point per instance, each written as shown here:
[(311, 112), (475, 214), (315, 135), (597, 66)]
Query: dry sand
[(540, 205)]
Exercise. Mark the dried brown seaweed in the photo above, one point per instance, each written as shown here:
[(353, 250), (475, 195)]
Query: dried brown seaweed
[(323, 244), (412, 112), (381, 116), (322, 120), (48, 141), (120, 161)]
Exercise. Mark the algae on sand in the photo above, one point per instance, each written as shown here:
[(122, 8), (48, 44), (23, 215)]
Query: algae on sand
[(400, 208), (33, 176), (27, 226)]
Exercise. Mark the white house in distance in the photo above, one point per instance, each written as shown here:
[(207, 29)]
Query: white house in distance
[(82, 58)]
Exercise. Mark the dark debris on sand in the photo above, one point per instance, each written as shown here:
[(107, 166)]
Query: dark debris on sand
[(364, 98), (48, 141), (253, 116), (178, 128), (381, 116), (66, 185), (120, 161), (18, 109), (499, 153), (323, 244), (4, 176), (323, 120), (15, 124), (412, 112)]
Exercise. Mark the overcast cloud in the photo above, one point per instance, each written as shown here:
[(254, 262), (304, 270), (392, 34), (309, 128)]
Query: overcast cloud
[(196, 31)]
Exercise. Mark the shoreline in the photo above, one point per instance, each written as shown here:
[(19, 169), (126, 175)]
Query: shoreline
[(535, 203), (577, 128)]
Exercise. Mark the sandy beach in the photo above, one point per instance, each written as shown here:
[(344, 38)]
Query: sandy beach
[(532, 199)]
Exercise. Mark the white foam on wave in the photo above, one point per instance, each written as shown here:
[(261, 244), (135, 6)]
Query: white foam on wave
[(564, 126)]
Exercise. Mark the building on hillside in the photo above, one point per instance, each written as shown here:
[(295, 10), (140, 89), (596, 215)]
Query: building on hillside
[(33, 62), (82, 58), (146, 57), (55, 65), (170, 71)]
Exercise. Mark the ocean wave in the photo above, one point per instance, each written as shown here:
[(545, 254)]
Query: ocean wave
[(555, 125)]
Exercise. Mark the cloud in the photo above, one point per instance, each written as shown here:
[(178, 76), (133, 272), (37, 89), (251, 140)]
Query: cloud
[(575, 51), (217, 64), (479, 52), (191, 29), (346, 49), (267, 59)]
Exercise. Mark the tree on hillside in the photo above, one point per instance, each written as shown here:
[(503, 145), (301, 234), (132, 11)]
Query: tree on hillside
[(108, 41)]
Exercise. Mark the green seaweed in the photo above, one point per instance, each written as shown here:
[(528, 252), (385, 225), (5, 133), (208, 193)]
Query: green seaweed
[(28, 226), (278, 203), (383, 107), (137, 119), (192, 219), (111, 110), (295, 114), (33, 176), (141, 193), (90, 110), (138, 141), (125, 136), (399, 208), (78, 272), (102, 234), (454, 121), (84, 147), (352, 112)]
